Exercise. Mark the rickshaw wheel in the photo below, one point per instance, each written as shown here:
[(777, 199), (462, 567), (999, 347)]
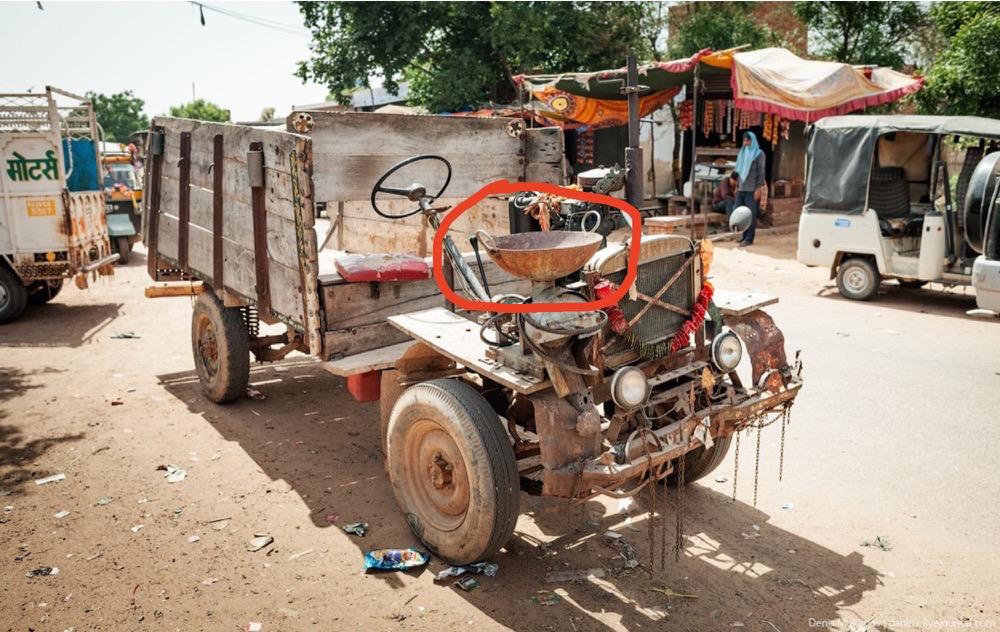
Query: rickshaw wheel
[(453, 470), (221, 349), (857, 279), (124, 247)]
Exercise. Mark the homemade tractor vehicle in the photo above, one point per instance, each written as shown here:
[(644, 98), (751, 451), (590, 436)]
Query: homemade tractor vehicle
[(476, 407), (880, 204), (52, 224)]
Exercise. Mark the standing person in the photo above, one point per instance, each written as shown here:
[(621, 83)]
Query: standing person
[(724, 198), (750, 164)]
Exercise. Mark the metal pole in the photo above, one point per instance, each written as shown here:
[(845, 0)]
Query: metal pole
[(634, 175), (694, 143)]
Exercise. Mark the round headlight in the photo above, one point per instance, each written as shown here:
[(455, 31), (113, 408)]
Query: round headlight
[(727, 351), (629, 388)]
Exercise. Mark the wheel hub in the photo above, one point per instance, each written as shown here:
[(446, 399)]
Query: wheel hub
[(208, 346), (436, 475), (857, 280), (3, 296)]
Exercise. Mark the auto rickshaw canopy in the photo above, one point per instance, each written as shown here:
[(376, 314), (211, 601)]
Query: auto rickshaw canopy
[(841, 152)]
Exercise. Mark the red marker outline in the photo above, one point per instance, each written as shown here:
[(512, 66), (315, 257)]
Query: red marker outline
[(506, 187)]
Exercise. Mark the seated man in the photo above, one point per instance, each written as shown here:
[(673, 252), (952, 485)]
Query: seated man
[(725, 195)]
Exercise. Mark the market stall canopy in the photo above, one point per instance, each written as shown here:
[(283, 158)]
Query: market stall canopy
[(771, 80), (842, 149)]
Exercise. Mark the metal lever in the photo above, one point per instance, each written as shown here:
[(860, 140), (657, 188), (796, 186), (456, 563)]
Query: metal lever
[(482, 271)]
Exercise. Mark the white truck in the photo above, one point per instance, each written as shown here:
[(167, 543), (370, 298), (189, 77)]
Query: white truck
[(52, 222)]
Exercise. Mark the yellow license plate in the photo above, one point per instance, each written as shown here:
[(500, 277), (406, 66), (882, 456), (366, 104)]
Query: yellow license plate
[(41, 208)]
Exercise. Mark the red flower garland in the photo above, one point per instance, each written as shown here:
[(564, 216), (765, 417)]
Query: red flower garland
[(604, 289), (691, 325)]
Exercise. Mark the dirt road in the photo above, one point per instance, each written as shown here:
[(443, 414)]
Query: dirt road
[(893, 437)]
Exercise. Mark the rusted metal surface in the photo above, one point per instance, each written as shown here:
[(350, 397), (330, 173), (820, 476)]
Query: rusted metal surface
[(561, 446), (218, 170), (725, 420), (541, 256), (765, 345), (258, 196), (152, 199), (184, 201)]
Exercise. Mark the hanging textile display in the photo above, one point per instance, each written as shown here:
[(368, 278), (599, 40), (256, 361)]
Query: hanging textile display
[(560, 107)]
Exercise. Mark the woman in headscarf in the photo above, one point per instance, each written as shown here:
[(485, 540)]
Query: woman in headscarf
[(750, 164)]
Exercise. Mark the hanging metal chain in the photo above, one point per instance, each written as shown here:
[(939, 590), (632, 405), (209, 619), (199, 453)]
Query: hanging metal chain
[(652, 518), (756, 464), (663, 525), (736, 464), (781, 453), (679, 542)]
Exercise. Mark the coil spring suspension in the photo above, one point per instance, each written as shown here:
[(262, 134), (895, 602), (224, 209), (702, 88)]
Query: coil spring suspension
[(251, 321)]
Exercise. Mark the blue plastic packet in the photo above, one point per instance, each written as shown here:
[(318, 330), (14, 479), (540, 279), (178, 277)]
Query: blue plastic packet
[(394, 559)]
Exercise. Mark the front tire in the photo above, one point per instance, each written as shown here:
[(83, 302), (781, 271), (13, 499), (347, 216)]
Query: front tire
[(858, 279), (13, 296), (221, 349), (453, 470), (701, 462)]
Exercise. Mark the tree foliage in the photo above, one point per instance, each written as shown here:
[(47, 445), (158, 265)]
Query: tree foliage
[(965, 77), (119, 114), (878, 33), (458, 54), (718, 25), (200, 110)]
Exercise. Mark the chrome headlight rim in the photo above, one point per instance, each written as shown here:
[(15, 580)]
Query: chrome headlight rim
[(617, 383), (716, 347)]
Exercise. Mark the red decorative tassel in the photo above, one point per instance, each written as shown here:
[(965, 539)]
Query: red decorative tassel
[(604, 289)]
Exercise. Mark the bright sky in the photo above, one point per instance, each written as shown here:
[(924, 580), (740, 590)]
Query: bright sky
[(157, 49)]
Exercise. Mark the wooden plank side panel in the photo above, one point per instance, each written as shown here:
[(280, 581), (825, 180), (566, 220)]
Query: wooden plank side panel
[(353, 305), (353, 149), (238, 261)]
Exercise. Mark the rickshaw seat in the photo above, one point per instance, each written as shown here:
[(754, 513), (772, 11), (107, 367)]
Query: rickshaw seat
[(906, 226)]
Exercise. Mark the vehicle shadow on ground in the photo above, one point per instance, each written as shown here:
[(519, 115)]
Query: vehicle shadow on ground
[(311, 434), (17, 454), (58, 325), (930, 299)]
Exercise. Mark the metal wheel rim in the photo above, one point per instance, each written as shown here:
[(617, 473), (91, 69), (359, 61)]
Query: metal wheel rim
[(208, 345), (4, 296), (435, 475), (856, 280)]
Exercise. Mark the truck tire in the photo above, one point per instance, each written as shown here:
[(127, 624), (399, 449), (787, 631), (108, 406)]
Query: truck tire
[(452, 470), (221, 349), (41, 292), (13, 296), (700, 463), (123, 245), (858, 279)]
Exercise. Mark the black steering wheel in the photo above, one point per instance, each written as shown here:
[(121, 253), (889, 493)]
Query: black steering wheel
[(414, 193)]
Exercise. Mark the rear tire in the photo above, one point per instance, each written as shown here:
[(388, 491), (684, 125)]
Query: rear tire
[(13, 296), (221, 349), (41, 292), (453, 470), (701, 462), (124, 247), (858, 279)]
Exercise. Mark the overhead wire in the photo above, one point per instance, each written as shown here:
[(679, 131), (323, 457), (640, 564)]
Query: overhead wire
[(251, 19)]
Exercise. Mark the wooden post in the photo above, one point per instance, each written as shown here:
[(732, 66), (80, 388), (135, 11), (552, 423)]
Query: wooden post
[(218, 169), (184, 202)]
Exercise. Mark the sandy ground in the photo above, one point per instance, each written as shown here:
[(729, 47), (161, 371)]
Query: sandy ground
[(893, 436)]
